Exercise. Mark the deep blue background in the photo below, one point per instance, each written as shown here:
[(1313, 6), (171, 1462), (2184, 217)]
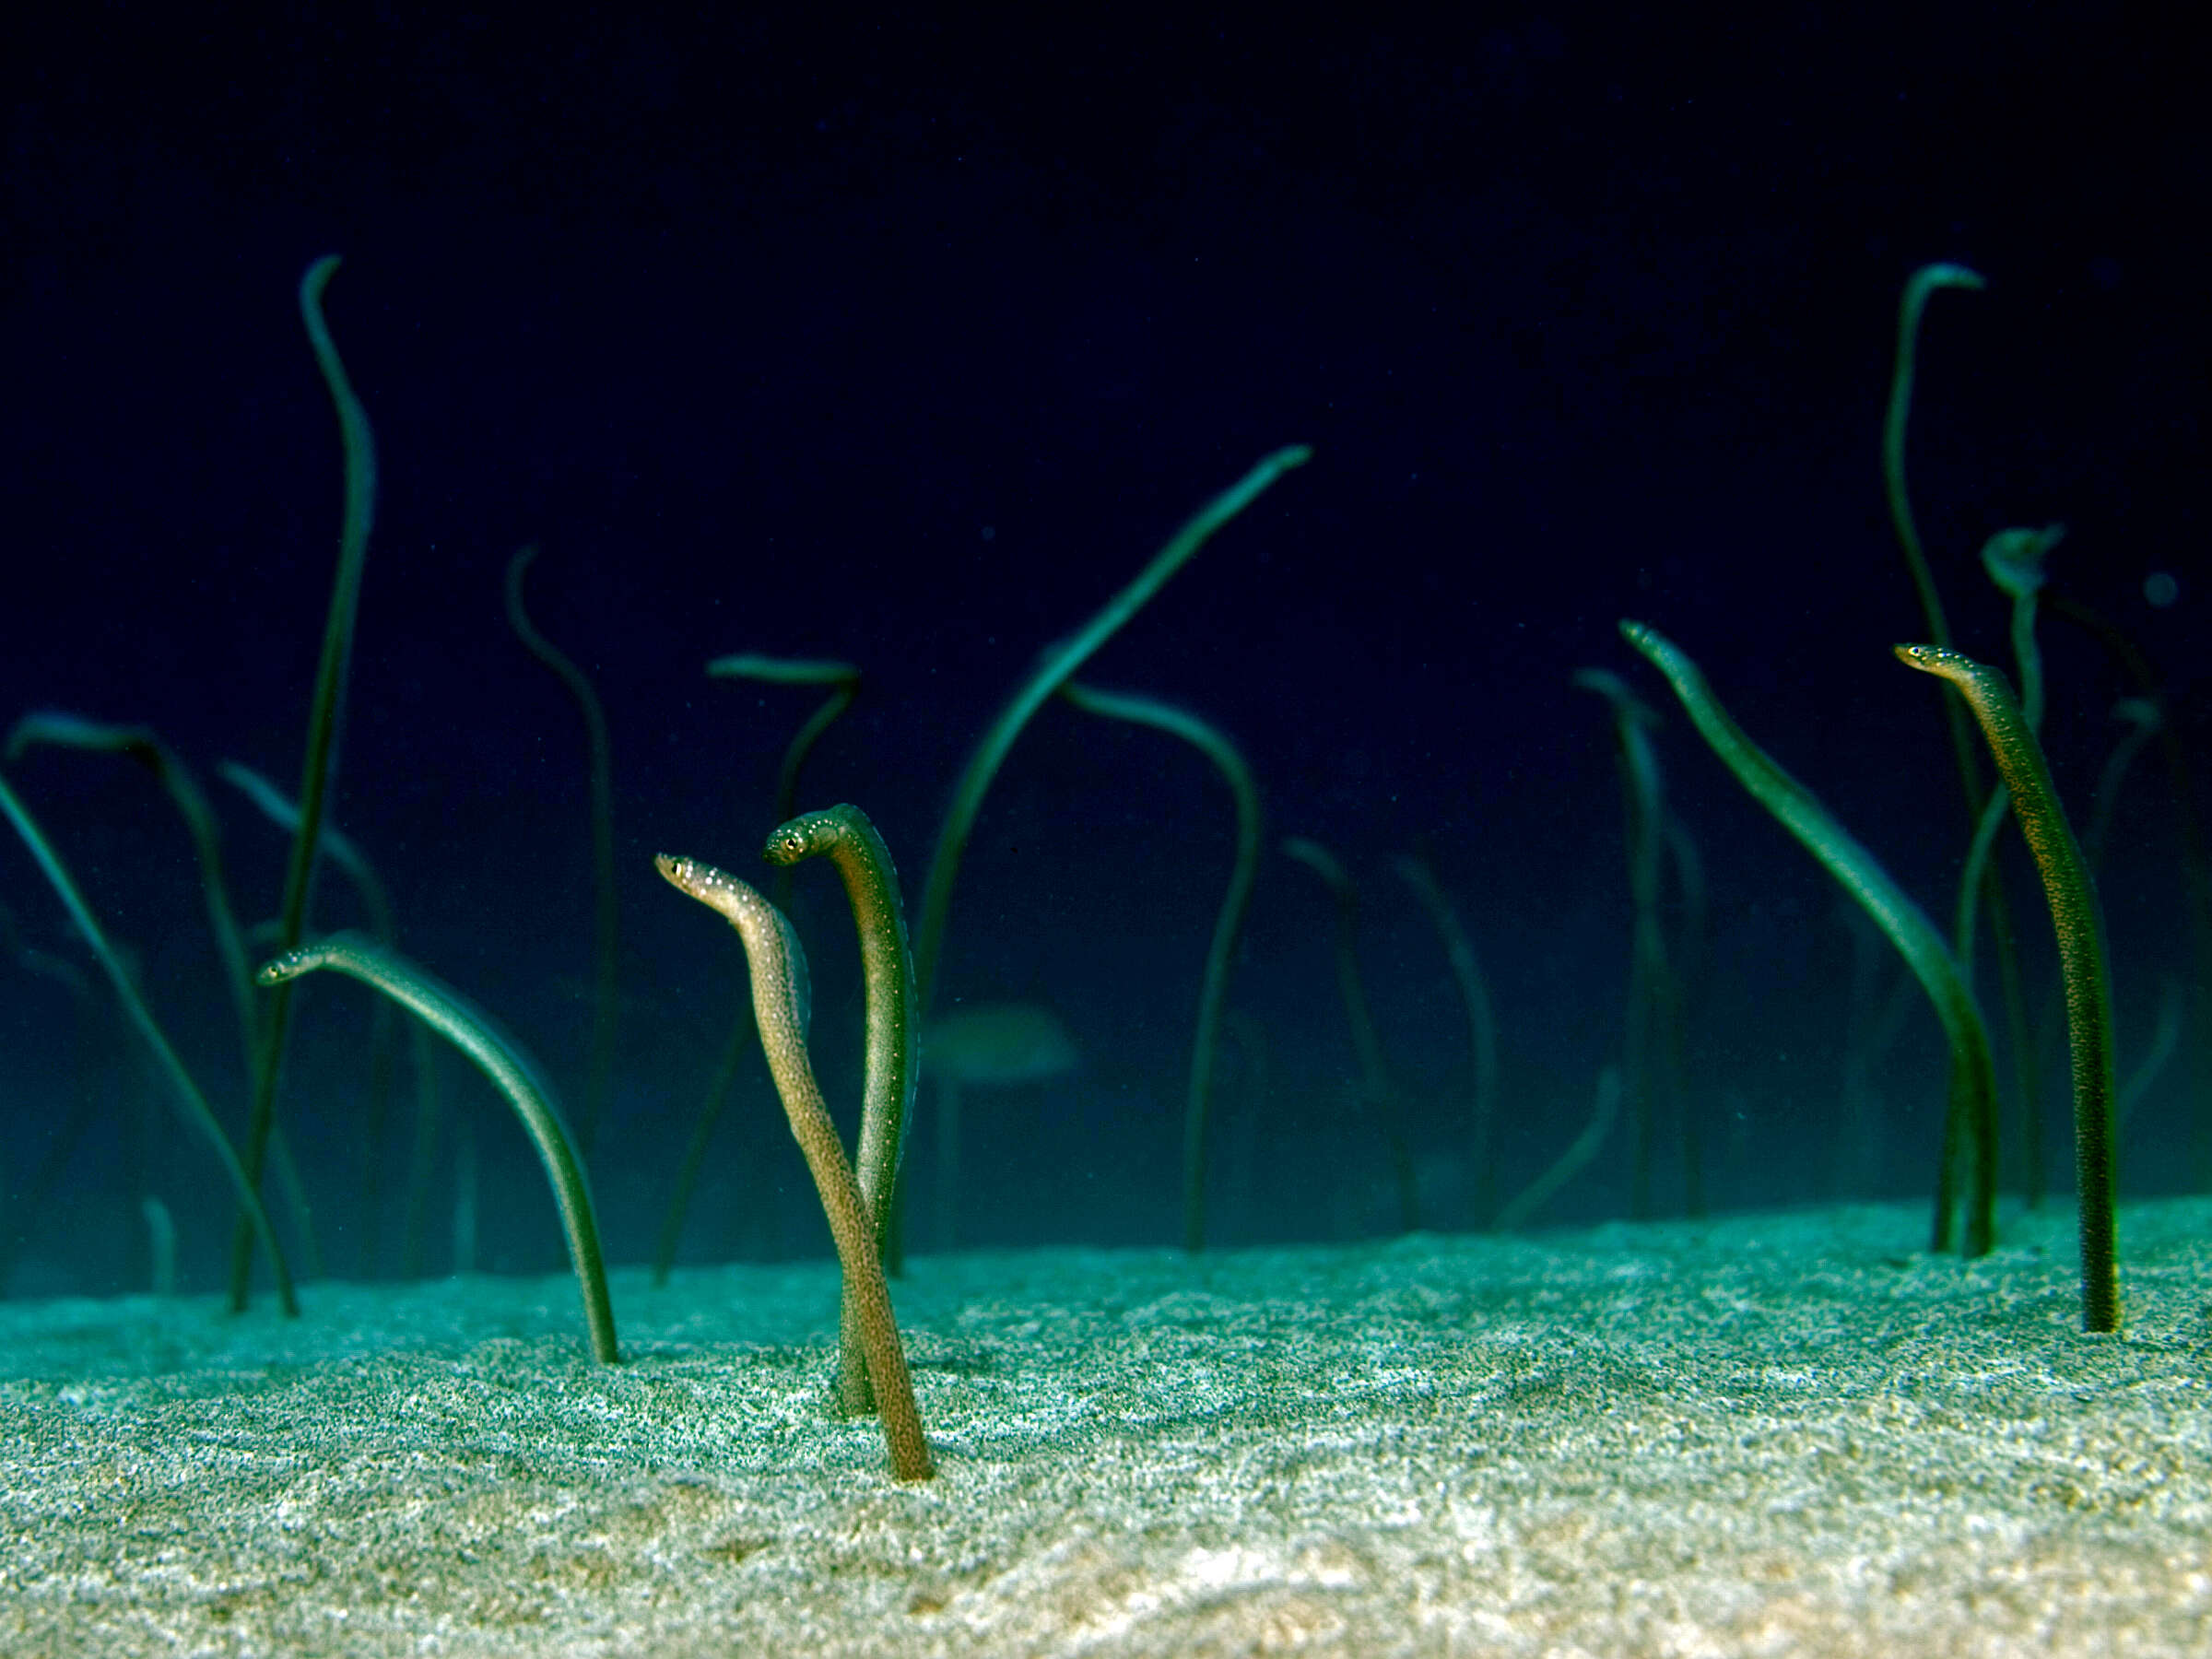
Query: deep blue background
[(909, 341)]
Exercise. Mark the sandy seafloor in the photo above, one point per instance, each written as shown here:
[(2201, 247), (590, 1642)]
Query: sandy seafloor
[(1771, 1434)]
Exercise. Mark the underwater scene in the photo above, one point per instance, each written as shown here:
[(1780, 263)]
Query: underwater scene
[(1373, 655)]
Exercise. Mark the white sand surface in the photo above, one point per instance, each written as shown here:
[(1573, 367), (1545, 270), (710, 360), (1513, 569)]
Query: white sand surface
[(1775, 1434)]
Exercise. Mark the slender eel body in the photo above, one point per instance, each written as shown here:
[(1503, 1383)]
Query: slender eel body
[(330, 672), (1902, 922), (1650, 1001), (772, 950), (1213, 990), (1059, 664), (1482, 1026), (844, 680), (469, 1029), (844, 835), (1382, 1096), (2080, 955), (606, 924), (1568, 1163), (194, 1105)]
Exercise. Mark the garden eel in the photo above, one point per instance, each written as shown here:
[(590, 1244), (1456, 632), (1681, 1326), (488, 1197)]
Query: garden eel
[(844, 680), (606, 922), (773, 952), (359, 444), (144, 746), (1911, 304), (1381, 1096), (1563, 1169), (191, 1103), (849, 841), (2074, 915), (2013, 560), (1213, 990), (1060, 663), (1959, 726), (1973, 1080), (1482, 1024), (500, 1058), (1651, 999), (348, 855)]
